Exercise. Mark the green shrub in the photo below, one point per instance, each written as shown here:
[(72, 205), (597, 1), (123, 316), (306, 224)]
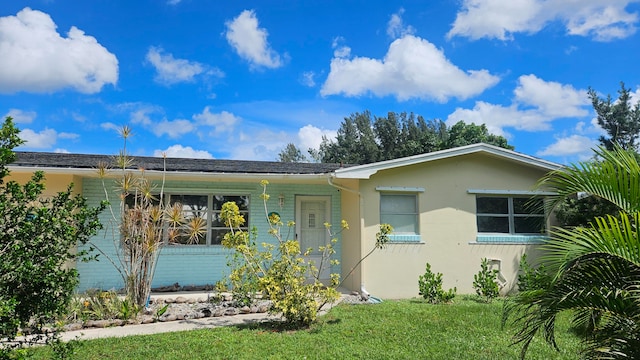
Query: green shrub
[(485, 281), (282, 275), (430, 287), (38, 235), (532, 278)]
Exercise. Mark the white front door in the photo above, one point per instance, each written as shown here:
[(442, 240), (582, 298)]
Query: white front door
[(312, 212)]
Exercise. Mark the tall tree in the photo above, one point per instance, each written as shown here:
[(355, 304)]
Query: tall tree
[(462, 134), (595, 269), (361, 141), (619, 118), (291, 153), (355, 142)]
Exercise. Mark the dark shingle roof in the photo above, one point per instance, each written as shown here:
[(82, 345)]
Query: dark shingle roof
[(86, 161)]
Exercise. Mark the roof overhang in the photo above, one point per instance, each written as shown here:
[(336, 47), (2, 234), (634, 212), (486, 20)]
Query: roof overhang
[(367, 170), (170, 175)]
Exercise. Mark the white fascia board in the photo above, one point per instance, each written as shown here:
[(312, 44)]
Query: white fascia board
[(113, 173), (365, 171)]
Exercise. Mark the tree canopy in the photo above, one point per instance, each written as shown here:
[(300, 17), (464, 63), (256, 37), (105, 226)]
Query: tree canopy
[(363, 138), (619, 118)]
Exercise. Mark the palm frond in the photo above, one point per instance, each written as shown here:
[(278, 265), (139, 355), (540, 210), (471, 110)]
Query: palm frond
[(615, 177)]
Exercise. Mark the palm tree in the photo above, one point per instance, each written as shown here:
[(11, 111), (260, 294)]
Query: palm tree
[(595, 269)]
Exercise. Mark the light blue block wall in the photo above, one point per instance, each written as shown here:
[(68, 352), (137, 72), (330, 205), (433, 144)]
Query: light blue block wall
[(194, 264)]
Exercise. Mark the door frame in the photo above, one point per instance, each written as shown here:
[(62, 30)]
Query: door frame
[(299, 199)]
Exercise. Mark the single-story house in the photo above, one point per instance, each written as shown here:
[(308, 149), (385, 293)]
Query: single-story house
[(449, 208)]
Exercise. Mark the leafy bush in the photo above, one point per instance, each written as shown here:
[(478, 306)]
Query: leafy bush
[(485, 281), (532, 278), (283, 276), (38, 238), (430, 286)]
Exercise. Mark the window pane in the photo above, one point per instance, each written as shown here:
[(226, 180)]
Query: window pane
[(242, 201), (398, 204), (529, 224), (190, 202), (186, 240), (493, 224), (492, 205), (217, 235), (527, 206), (402, 224)]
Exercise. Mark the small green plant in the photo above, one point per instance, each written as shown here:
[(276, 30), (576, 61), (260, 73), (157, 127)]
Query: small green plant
[(430, 286), (161, 311), (101, 305), (532, 278), (485, 281)]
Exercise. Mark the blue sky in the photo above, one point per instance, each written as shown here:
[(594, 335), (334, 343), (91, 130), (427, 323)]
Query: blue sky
[(241, 79)]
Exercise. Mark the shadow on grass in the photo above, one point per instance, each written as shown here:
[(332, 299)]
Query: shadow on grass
[(279, 326)]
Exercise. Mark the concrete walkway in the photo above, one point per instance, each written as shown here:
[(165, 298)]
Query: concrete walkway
[(162, 327), (179, 325)]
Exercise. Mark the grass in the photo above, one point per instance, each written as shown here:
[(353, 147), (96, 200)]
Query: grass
[(407, 329)]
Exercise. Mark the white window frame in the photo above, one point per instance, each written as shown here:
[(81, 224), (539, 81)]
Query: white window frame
[(402, 191)]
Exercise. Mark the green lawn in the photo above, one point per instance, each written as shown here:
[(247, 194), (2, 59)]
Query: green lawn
[(408, 329)]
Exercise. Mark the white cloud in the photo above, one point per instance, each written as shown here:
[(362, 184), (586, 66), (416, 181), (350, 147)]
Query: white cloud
[(179, 151), (537, 103), (61, 151), (258, 144), (339, 49), (570, 146), (38, 140), (171, 70), (68, 136), (250, 41), (396, 27), (172, 128), (500, 19), (310, 136), (221, 122), (553, 99), (37, 59), (307, 79), (412, 68), (173, 2), (20, 116), (109, 126)]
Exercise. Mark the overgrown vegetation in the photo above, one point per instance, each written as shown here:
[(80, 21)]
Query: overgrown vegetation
[(279, 271), (430, 287), (38, 238), (485, 281)]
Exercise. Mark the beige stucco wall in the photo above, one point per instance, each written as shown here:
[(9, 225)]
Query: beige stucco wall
[(54, 183), (447, 225)]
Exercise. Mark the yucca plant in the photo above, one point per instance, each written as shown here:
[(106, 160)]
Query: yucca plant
[(145, 223), (596, 269)]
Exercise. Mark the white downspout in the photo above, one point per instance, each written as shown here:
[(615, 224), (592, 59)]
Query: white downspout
[(363, 290)]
